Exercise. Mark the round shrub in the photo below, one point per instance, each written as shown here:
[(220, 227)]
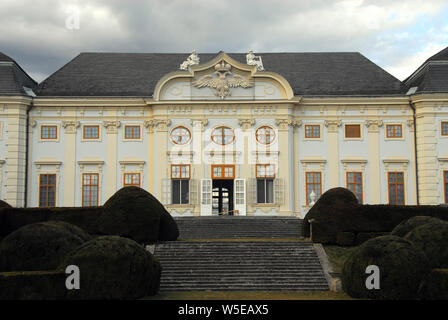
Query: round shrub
[(333, 212), (168, 229), (407, 225), (4, 204), (113, 267), (402, 267), (432, 238), (39, 246), (134, 213)]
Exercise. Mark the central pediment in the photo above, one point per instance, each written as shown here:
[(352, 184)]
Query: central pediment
[(222, 78)]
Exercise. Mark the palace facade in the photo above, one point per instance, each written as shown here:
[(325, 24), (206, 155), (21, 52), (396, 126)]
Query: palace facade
[(224, 133)]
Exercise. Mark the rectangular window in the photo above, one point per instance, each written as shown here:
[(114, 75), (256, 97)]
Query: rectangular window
[(312, 131), (265, 190), (91, 132), (180, 183), (445, 184), (90, 189), (394, 131), (132, 132), (49, 132), (396, 187), (265, 171), (354, 184), (445, 128), (132, 179), (223, 171), (47, 190), (352, 131), (313, 183)]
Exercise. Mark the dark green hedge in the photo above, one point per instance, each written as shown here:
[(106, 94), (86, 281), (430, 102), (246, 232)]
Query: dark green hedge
[(131, 212), (336, 211), (33, 285), (402, 267), (435, 286), (39, 246)]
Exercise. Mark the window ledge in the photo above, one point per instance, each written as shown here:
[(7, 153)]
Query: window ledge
[(265, 205), (179, 205)]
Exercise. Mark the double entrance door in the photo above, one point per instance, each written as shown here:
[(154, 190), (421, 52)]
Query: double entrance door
[(223, 194)]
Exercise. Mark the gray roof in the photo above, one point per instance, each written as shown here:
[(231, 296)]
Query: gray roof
[(13, 78), (432, 75), (136, 74)]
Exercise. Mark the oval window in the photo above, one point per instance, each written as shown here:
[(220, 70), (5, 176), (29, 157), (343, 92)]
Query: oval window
[(265, 135), (223, 135), (180, 135)]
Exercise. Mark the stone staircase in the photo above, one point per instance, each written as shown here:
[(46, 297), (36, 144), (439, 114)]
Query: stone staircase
[(238, 227), (269, 264)]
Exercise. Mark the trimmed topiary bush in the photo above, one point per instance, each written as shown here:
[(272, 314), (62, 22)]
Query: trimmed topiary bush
[(435, 286), (33, 285), (362, 237), (345, 239), (4, 204), (402, 267), (134, 213), (113, 267), (39, 246), (168, 229), (407, 225), (432, 238), (333, 212)]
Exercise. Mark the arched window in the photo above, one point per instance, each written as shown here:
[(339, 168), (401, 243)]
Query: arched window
[(180, 135), (223, 135), (265, 135)]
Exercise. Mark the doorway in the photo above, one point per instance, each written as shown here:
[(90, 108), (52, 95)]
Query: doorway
[(222, 197)]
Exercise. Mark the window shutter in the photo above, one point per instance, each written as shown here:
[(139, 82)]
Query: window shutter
[(166, 191), (193, 191), (253, 190), (279, 191)]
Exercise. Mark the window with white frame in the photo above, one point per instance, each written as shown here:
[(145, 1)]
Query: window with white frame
[(180, 183), (265, 175)]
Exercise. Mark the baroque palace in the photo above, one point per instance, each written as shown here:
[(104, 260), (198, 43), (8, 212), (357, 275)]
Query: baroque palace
[(212, 134)]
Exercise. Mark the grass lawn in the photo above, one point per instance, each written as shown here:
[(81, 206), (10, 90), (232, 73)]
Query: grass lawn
[(337, 256), (250, 295)]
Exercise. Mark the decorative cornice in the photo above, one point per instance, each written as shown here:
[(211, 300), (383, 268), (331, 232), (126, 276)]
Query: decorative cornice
[(283, 124), (246, 123), (159, 124), (202, 122), (70, 126), (111, 126), (373, 125), (333, 125)]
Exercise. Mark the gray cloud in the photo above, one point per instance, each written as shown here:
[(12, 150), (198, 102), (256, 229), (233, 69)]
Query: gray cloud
[(387, 32)]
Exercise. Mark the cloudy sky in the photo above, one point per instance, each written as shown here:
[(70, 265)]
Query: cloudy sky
[(43, 35)]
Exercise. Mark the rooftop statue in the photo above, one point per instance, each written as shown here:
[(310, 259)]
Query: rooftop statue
[(254, 60), (191, 60)]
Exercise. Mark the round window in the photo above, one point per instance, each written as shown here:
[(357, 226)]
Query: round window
[(223, 135), (180, 135), (265, 135)]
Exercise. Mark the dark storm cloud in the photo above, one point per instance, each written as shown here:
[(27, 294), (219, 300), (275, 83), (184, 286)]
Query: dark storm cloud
[(35, 33)]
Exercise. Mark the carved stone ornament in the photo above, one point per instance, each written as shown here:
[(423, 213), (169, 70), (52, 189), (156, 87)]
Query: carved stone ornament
[(219, 81), (70, 126), (333, 125), (254, 60), (191, 61), (111, 126), (373, 125), (283, 123), (202, 122), (246, 123)]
